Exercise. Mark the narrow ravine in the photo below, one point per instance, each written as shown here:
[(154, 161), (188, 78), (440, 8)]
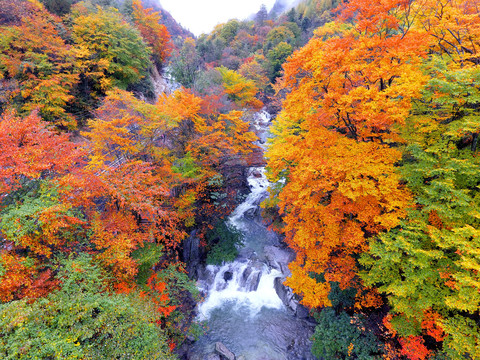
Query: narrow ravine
[(246, 307)]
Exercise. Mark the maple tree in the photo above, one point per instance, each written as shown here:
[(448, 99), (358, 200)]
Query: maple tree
[(135, 181), (348, 89), (33, 219), (429, 265), (31, 150), (156, 35), (39, 64)]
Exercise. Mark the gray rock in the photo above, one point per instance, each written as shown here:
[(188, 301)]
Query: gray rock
[(227, 275), (251, 214), (192, 254), (257, 173), (302, 312), (205, 277), (253, 281), (285, 294), (213, 357), (278, 258), (223, 351)]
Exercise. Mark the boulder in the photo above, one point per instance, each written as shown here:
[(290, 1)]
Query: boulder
[(227, 275), (285, 294), (223, 351), (213, 357), (256, 173), (251, 214), (302, 312), (205, 277), (279, 258), (252, 281)]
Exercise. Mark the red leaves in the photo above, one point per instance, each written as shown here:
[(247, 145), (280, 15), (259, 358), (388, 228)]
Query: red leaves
[(20, 279), (413, 347), (160, 296), (30, 148), (156, 34), (374, 16), (431, 325)]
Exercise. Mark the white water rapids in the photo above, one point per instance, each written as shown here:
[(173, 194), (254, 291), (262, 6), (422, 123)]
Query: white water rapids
[(249, 283), (242, 308)]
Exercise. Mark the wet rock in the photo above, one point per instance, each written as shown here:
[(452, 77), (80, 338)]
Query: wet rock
[(223, 351), (245, 275), (213, 357), (302, 312), (251, 214), (192, 254), (227, 275), (256, 173), (253, 281), (206, 277), (278, 258), (285, 294), (250, 278)]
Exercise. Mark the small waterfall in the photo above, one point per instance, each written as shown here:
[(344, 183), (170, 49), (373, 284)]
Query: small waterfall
[(242, 308), (244, 285), (258, 184), (247, 282)]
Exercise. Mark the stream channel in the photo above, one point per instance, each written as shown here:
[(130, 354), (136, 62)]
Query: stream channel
[(247, 308)]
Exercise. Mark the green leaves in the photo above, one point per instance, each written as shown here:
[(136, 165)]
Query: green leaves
[(81, 321), (341, 337), (110, 51)]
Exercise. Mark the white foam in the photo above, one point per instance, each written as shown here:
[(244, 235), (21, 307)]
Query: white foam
[(235, 291), (258, 183)]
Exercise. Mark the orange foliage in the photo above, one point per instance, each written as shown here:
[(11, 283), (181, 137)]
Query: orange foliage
[(115, 236), (36, 55), (30, 149), (432, 325), (453, 27), (435, 220), (413, 348), (368, 298), (16, 277), (338, 205), (20, 278), (349, 89)]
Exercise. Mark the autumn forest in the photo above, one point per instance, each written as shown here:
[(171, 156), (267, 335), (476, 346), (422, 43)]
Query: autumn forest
[(122, 134)]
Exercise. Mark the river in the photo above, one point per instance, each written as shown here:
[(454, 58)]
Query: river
[(246, 306)]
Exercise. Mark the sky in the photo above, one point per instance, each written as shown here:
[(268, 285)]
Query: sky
[(201, 16)]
